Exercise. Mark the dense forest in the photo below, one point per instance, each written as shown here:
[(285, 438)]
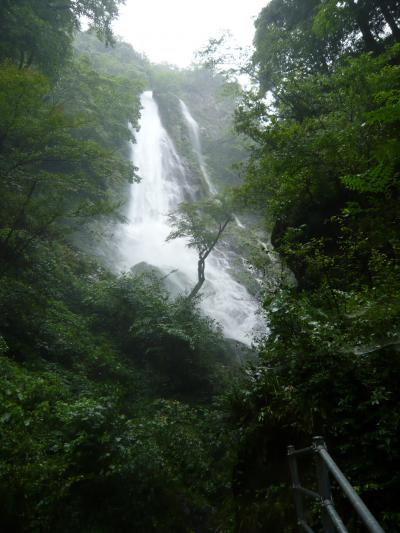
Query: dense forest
[(124, 408)]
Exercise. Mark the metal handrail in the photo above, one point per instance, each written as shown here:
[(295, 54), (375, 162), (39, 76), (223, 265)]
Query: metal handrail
[(331, 520)]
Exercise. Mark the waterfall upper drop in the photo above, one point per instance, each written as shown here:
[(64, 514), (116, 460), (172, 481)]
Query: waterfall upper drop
[(194, 131), (163, 186)]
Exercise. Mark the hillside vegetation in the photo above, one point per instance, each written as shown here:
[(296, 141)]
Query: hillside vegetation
[(122, 408)]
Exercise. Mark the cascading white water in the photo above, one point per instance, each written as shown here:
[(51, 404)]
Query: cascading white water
[(142, 240), (194, 131)]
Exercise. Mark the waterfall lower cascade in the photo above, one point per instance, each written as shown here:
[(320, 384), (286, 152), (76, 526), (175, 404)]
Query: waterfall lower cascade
[(142, 241)]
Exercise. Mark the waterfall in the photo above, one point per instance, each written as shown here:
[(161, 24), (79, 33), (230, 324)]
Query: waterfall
[(142, 240), (194, 132)]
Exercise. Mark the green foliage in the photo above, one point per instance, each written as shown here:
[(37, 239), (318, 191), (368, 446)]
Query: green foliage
[(324, 171), (167, 338), (318, 156), (107, 384), (119, 60), (107, 105), (62, 153), (71, 461), (85, 356), (40, 33), (200, 222), (301, 38), (330, 367), (85, 442)]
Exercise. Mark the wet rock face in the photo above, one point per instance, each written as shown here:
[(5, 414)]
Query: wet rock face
[(173, 122), (174, 281)]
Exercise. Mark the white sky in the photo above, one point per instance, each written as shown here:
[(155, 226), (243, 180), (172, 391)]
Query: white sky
[(172, 30)]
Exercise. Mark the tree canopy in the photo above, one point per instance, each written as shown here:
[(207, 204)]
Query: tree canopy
[(300, 37), (202, 224), (324, 173), (40, 33), (107, 381), (123, 407)]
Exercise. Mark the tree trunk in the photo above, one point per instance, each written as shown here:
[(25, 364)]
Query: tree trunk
[(21, 59), (370, 43), (361, 18), (19, 216), (201, 264), (391, 21), (30, 59)]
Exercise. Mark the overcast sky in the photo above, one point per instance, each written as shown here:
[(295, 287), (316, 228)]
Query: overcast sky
[(172, 30)]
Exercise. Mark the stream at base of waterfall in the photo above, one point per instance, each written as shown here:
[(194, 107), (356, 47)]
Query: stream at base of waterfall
[(142, 241)]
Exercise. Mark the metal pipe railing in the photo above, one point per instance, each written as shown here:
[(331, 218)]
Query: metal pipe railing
[(325, 465), (334, 517), (298, 499), (363, 512), (305, 526)]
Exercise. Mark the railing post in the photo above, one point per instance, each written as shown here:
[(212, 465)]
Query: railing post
[(325, 465), (298, 498), (357, 503), (324, 487)]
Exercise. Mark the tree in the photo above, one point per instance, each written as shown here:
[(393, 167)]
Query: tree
[(84, 353), (331, 153), (59, 163), (40, 32), (202, 223), (325, 170), (297, 38)]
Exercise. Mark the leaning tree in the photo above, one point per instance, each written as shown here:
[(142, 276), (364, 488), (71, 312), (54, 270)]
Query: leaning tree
[(202, 223)]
